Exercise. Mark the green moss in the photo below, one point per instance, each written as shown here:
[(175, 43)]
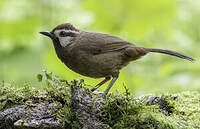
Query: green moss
[(122, 111), (187, 109), (10, 95), (117, 111)]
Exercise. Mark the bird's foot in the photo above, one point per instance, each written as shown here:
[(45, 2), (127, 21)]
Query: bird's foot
[(93, 89)]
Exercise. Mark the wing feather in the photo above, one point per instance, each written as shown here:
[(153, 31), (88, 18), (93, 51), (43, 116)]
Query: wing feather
[(98, 43)]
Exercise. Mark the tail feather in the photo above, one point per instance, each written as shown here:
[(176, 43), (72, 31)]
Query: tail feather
[(169, 52)]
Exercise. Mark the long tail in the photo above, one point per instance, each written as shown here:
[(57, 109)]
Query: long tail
[(169, 52)]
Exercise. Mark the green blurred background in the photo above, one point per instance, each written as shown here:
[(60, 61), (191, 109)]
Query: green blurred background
[(168, 24)]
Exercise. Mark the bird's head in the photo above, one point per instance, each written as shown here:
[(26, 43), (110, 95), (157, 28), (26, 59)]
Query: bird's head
[(62, 34)]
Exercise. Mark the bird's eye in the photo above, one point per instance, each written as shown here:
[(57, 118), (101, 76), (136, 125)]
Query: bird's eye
[(62, 34), (65, 34)]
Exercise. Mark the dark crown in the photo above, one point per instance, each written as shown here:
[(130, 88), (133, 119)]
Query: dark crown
[(66, 26)]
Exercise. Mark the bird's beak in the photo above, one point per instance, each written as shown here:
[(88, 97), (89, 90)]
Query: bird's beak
[(48, 34)]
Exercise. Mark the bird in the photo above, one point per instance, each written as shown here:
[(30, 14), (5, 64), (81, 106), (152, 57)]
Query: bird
[(97, 55)]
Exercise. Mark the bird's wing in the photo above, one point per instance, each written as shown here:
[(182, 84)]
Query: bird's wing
[(97, 43)]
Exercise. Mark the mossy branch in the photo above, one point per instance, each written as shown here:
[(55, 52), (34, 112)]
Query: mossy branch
[(71, 105)]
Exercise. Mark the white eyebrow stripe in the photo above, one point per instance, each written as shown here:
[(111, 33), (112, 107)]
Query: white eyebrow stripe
[(67, 31), (72, 31)]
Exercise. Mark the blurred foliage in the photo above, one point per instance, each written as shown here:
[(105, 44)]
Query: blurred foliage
[(169, 24)]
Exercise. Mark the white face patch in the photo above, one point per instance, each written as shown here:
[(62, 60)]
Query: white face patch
[(65, 40)]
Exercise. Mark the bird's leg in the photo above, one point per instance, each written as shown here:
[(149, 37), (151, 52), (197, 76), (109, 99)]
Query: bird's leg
[(101, 83), (110, 85)]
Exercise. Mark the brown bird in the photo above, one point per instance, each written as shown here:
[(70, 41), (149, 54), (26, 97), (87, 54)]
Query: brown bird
[(97, 55)]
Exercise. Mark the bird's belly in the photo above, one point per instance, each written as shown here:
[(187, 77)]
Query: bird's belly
[(96, 66)]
